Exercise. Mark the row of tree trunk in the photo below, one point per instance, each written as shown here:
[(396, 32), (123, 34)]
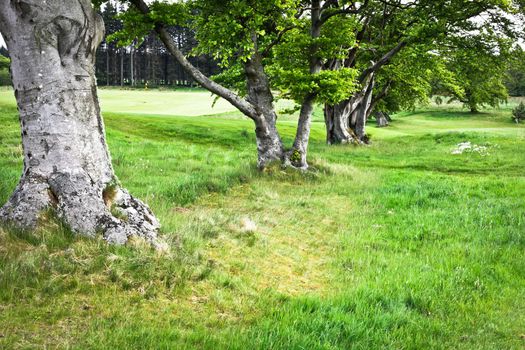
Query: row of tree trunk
[(146, 65), (67, 165)]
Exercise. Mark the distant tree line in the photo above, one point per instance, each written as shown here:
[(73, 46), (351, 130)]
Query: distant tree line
[(515, 79), (5, 77), (148, 63)]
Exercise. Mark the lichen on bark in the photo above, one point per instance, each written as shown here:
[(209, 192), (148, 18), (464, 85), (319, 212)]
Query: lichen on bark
[(67, 166)]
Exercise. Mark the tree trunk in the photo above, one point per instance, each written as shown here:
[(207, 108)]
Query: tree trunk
[(67, 167), (132, 65), (362, 112), (382, 119), (259, 104), (269, 145), (166, 70), (297, 155), (346, 121), (337, 121), (355, 111), (107, 64), (122, 67)]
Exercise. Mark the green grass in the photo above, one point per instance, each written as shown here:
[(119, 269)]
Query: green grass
[(399, 245)]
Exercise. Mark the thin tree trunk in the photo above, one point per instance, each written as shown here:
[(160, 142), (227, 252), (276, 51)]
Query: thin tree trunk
[(297, 156), (122, 67), (362, 112), (166, 70), (67, 166), (132, 65), (376, 99), (259, 104), (114, 70), (107, 64)]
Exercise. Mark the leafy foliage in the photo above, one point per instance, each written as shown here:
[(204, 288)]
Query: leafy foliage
[(5, 77), (515, 79), (231, 31), (479, 65), (518, 113), (290, 69), (136, 26)]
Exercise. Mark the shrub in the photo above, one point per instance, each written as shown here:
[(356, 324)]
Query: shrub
[(5, 78), (518, 113)]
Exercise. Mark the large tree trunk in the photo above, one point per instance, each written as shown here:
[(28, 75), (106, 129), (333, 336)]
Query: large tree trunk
[(346, 121), (269, 145), (337, 124), (67, 167)]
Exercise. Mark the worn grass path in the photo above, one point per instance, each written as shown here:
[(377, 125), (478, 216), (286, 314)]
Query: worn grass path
[(399, 245)]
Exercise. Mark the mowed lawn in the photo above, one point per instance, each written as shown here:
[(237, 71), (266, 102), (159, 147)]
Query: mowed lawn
[(397, 245)]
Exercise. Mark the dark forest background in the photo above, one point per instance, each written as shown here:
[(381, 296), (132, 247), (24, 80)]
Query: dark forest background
[(147, 64)]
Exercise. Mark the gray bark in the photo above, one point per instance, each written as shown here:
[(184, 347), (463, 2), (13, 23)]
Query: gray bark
[(121, 67), (67, 166), (337, 124), (297, 156), (354, 112), (382, 119), (361, 113), (346, 121), (132, 65), (269, 144)]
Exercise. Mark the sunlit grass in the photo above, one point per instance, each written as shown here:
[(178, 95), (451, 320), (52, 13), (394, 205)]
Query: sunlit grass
[(398, 245)]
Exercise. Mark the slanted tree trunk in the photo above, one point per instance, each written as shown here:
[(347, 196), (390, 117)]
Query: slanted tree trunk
[(361, 113), (259, 104), (67, 167)]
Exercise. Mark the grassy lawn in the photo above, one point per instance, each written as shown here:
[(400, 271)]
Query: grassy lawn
[(399, 245)]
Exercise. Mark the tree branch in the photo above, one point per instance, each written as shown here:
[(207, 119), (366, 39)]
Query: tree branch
[(382, 61), (244, 106), (277, 40)]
